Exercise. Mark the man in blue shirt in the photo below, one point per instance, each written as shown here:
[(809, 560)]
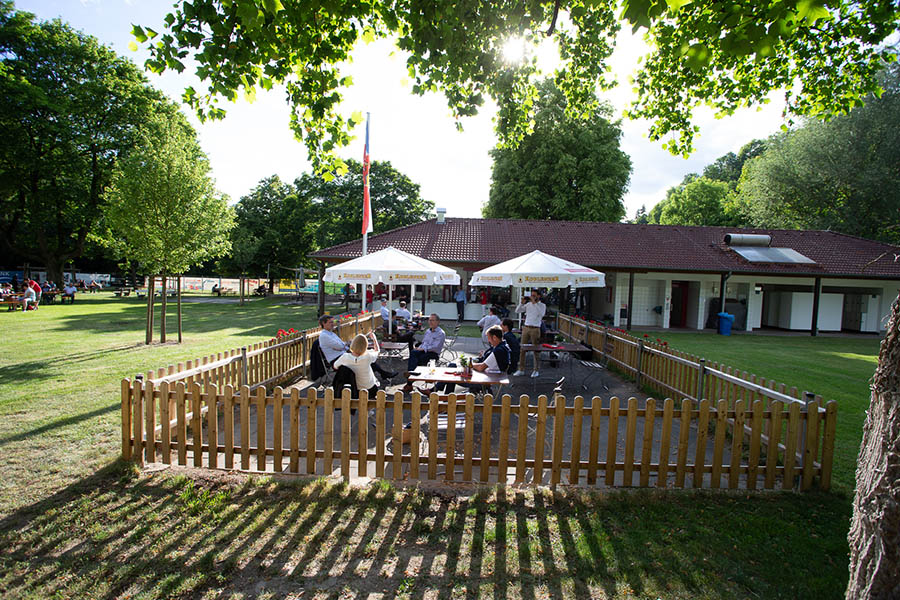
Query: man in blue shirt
[(495, 359), (428, 349), (460, 297)]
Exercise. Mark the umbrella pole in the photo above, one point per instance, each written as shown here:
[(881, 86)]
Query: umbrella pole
[(412, 298), (390, 312)]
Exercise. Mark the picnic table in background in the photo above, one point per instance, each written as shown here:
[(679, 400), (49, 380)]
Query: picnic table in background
[(455, 375)]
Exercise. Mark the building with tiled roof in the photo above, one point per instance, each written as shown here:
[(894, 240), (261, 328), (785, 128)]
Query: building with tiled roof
[(673, 275)]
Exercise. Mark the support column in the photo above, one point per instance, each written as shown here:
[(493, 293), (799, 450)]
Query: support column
[(817, 290), (723, 281), (630, 299), (321, 293)]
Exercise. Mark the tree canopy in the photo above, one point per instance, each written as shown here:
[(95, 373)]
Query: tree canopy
[(162, 202), (280, 220), (704, 51), (701, 201), (568, 168), (840, 175), (69, 109), (338, 203)]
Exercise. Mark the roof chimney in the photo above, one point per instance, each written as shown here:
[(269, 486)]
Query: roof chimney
[(441, 214)]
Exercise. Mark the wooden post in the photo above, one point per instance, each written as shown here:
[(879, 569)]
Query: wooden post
[(486, 418), (179, 310), (630, 434), (137, 419), (647, 442), (320, 294), (700, 450), (450, 450), (640, 356), (398, 435), (312, 408), (244, 370), (329, 431), (345, 434), (828, 445), (539, 441), (665, 441), (701, 375), (362, 434), (278, 431), (577, 422), (522, 438), (379, 433), (432, 435), (612, 441), (228, 408), (294, 464), (503, 451), (469, 437), (416, 417), (126, 419)]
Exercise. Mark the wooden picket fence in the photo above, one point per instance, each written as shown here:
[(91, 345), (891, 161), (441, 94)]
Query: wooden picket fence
[(550, 441), (229, 411), (265, 364)]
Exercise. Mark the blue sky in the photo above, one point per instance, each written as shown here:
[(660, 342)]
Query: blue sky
[(416, 134)]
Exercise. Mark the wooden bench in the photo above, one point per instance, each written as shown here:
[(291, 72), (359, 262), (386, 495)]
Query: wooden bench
[(11, 304), (122, 293), (63, 298)]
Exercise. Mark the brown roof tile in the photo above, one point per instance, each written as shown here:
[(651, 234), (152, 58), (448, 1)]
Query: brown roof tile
[(625, 246)]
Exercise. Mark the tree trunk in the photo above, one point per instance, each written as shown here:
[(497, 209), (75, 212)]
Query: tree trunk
[(179, 309), (242, 289), (162, 312), (875, 528), (150, 285)]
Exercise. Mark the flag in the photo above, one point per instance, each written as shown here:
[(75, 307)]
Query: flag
[(367, 204)]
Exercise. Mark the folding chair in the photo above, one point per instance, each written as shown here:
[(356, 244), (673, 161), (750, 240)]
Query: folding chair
[(320, 370), (448, 354)]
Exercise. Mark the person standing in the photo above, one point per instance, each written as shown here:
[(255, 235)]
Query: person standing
[(488, 321), (37, 290), (460, 297), (483, 300), (534, 311), (369, 299)]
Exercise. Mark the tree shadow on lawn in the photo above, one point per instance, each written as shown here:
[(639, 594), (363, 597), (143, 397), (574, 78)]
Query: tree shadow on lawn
[(258, 320), (40, 369), (209, 534)]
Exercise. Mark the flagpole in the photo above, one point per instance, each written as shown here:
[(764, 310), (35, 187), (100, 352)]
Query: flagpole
[(366, 206)]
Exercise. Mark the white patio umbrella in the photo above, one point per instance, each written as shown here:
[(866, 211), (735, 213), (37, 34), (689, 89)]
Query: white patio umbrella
[(537, 269), (393, 267)]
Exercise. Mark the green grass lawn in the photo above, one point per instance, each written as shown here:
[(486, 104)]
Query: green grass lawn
[(76, 523)]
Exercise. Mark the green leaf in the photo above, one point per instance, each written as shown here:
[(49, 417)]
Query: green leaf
[(812, 10), (675, 5), (368, 35), (273, 6), (356, 118), (132, 46), (138, 32)]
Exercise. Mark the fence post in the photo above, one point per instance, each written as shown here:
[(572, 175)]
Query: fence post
[(637, 375), (244, 368), (700, 377), (605, 342), (303, 362)]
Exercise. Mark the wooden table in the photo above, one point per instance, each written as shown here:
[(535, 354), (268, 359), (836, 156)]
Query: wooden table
[(452, 375), (566, 347)]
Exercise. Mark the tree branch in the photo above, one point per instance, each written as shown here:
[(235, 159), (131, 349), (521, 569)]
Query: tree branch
[(553, 22)]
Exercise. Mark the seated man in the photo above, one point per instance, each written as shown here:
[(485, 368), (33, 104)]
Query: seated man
[(385, 312), (333, 346), (29, 297), (402, 312), (428, 349), (495, 359), (69, 292), (356, 368), (486, 322), (216, 290), (513, 342)]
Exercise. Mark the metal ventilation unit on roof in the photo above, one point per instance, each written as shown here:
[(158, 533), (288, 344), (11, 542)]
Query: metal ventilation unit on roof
[(441, 215), (755, 248)]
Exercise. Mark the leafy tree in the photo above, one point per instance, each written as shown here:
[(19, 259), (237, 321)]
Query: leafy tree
[(244, 248), (728, 168), (568, 168), (281, 220), (727, 54), (69, 109), (164, 207), (701, 201), (841, 175), (640, 216), (338, 203)]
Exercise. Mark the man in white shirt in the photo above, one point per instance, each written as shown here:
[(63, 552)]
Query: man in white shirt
[(333, 347), (402, 312), (534, 311), (488, 321), (29, 297), (69, 292)]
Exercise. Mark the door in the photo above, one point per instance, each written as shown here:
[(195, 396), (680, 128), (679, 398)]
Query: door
[(678, 316)]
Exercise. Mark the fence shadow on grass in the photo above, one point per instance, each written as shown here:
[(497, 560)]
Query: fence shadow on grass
[(117, 534)]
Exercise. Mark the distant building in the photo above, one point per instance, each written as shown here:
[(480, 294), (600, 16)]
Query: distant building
[(674, 276)]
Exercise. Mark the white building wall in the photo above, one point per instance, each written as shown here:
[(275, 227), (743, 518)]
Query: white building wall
[(754, 308)]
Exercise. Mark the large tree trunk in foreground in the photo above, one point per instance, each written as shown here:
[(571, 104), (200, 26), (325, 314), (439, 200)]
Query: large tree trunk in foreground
[(875, 529)]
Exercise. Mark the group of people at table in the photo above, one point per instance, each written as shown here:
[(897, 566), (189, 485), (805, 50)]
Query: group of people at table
[(32, 292), (355, 363)]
